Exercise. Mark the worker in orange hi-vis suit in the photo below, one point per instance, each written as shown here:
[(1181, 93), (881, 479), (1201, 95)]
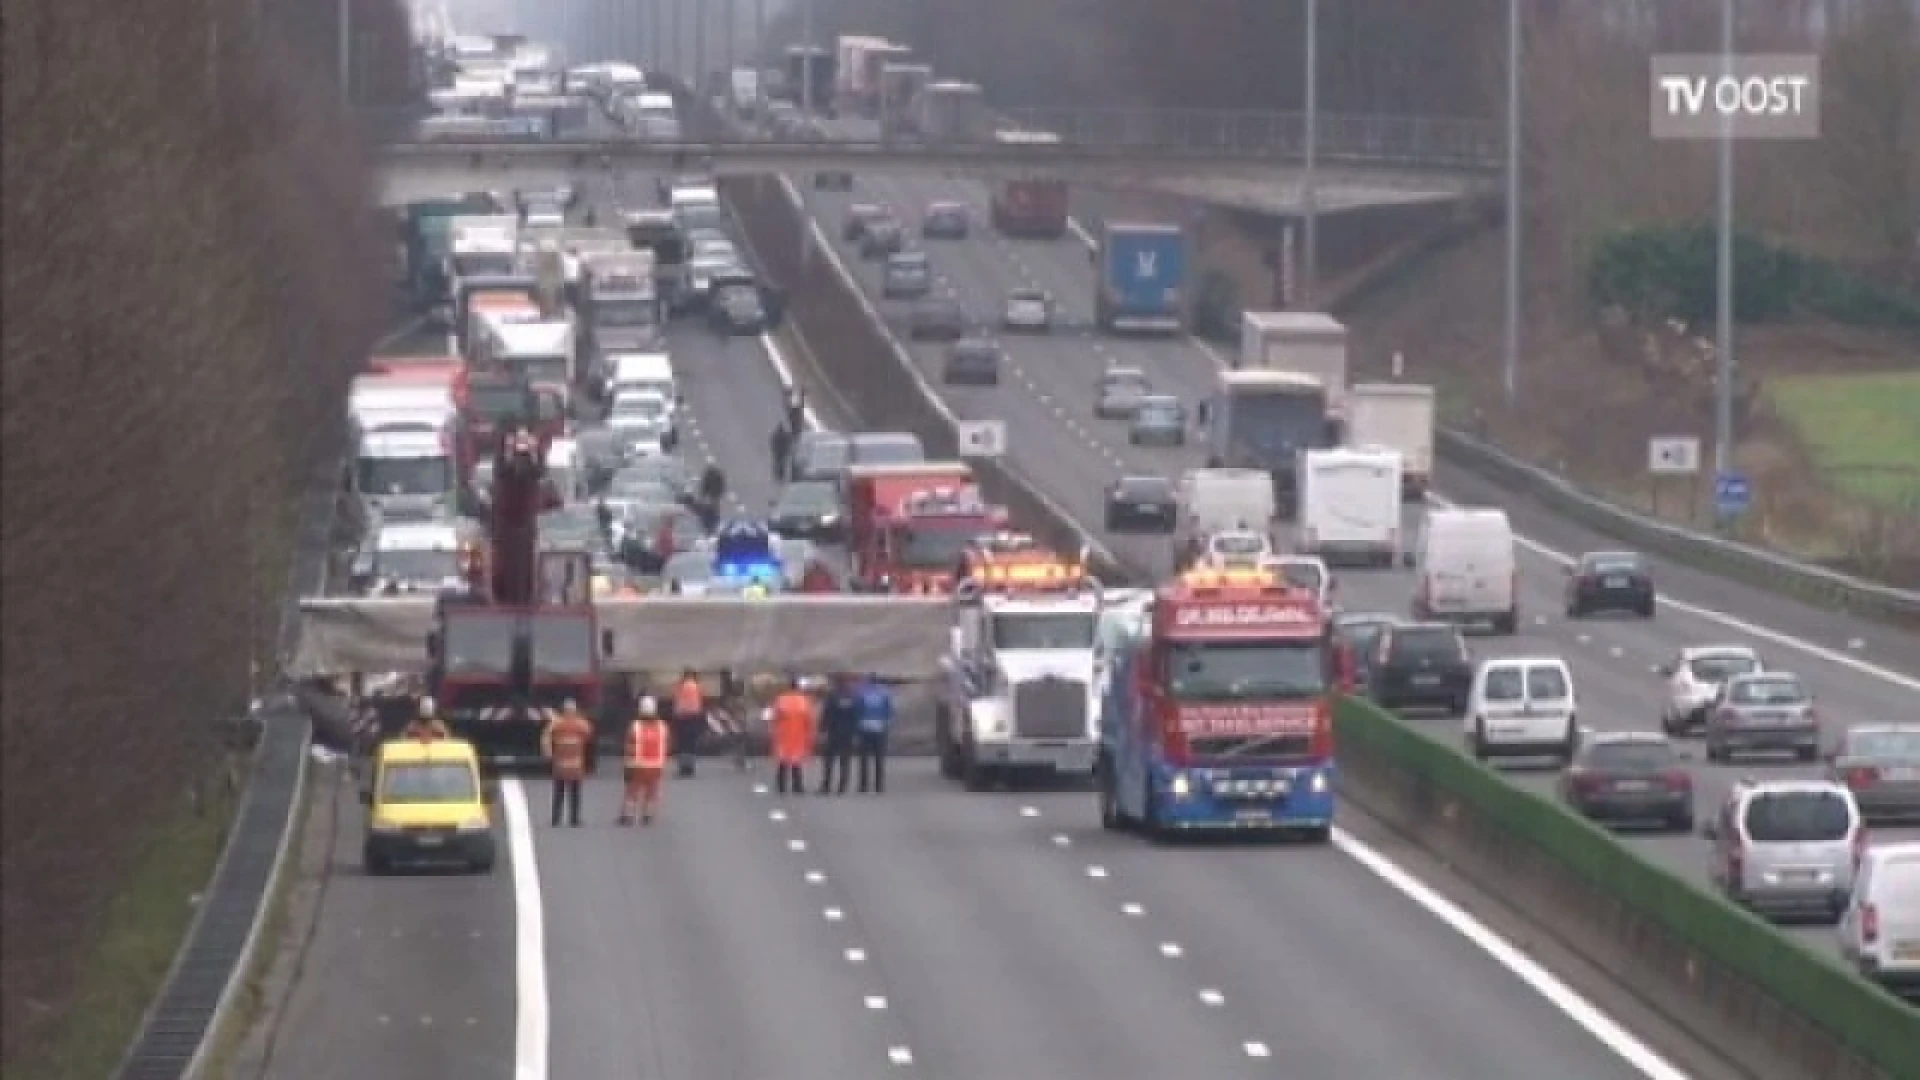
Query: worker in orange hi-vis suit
[(795, 727), (566, 742), (648, 744)]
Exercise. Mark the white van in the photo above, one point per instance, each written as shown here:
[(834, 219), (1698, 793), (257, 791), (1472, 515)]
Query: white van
[(1349, 506), (643, 372), (1465, 569), (1522, 706)]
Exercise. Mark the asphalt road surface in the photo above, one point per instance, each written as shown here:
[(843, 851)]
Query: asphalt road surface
[(1859, 671)]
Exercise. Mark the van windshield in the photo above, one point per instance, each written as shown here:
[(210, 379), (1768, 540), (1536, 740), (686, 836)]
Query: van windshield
[(429, 782), (1798, 817)]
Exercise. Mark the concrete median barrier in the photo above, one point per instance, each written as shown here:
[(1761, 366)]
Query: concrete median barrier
[(1786, 1011)]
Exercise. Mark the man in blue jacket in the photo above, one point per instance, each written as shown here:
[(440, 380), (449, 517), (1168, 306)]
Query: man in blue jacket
[(840, 720), (876, 719)]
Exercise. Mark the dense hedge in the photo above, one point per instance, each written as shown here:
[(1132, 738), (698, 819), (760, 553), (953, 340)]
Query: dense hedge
[(190, 277), (1669, 271)]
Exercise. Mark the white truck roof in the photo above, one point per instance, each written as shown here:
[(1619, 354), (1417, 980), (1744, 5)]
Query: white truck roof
[(652, 102), (545, 338), (403, 444), (1293, 322), (642, 367)]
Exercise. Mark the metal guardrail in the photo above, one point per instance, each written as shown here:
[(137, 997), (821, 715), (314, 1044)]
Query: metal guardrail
[(1414, 142), (1744, 562), (208, 973)]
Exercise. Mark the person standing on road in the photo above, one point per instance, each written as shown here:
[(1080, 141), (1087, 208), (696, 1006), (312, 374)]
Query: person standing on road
[(426, 726), (648, 744), (689, 718), (876, 721), (566, 742), (779, 446), (796, 411), (840, 716), (794, 730)]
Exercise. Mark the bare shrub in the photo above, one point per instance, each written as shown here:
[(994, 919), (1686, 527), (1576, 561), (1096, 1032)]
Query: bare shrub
[(190, 278)]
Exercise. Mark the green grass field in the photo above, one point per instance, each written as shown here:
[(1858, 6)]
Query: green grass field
[(1863, 430), (142, 930)]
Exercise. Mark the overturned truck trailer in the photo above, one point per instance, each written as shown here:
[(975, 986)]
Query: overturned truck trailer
[(497, 672)]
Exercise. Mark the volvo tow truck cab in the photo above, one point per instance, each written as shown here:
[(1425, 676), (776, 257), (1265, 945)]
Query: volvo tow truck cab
[(1221, 716), (1022, 691)]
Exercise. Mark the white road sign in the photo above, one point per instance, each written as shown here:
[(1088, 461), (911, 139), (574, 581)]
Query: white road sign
[(1673, 455), (983, 438)]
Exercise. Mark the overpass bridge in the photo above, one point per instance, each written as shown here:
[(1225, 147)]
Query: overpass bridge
[(1416, 158)]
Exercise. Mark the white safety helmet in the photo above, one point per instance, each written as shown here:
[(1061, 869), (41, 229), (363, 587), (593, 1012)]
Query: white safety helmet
[(426, 707), (649, 707)]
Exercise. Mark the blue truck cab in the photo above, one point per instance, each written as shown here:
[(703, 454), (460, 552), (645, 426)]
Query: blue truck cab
[(1142, 270), (1209, 726)]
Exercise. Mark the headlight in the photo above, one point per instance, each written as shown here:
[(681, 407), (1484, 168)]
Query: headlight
[(1318, 785), (476, 824), (1181, 786), (829, 519)]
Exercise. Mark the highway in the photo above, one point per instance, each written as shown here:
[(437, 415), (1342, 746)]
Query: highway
[(928, 930), (1859, 671)]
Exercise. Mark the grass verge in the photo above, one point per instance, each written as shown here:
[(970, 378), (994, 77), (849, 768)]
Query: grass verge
[(1861, 429), (143, 929)]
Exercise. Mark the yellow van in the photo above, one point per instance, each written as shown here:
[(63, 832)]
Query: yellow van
[(428, 806)]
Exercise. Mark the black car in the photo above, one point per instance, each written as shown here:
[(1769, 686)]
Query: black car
[(937, 318), (1421, 665), (1359, 633), (945, 221), (1141, 504), (1610, 581), (859, 216), (809, 510), (1630, 777), (881, 238), (972, 361)]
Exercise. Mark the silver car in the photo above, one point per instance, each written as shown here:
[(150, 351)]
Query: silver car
[(1028, 311), (1159, 420), (1880, 764), (1786, 847), (1120, 392), (1768, 712)]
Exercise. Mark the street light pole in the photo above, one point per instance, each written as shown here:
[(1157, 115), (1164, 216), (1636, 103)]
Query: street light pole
[(345, 21), (1723, 287), (1309, 178), (1510, 350), (807, 61)]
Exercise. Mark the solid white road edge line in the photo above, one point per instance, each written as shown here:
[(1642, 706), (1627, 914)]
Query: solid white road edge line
[(1731, 622), (1537, 978), (1557, 993), (531, 1030)]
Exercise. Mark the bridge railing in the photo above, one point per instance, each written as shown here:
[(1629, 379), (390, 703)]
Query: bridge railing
[(1408, 141)]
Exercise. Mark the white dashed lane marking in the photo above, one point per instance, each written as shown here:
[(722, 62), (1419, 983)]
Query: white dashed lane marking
[(1209, 997), (836, 915)]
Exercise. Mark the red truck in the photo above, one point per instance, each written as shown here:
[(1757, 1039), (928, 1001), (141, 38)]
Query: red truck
[(525, 639), (1033, 207), (910, 524)]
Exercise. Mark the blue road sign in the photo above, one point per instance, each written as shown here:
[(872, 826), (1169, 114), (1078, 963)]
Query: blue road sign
[(1732, 494)]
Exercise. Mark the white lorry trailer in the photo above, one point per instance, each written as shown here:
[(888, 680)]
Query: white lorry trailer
[(1350, 506), (1303, 342), (1398, 417)]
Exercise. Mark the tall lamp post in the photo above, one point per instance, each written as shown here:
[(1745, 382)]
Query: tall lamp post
[(1309, 174), (1723, 286), (1510, 351)]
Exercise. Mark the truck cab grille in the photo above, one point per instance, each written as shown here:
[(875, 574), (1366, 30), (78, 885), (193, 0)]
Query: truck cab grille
[(1050, 708)]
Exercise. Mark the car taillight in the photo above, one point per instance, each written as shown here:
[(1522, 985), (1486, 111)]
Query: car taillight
[(1586, 782), (1735, 864), (1860, 844), (1862, 777), (1677, 779), (1869, 924)]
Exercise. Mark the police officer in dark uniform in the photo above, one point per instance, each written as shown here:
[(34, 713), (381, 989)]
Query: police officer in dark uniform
[(780, 443)]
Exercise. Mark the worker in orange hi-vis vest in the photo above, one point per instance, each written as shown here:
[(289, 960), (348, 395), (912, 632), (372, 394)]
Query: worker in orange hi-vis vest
[(566, 742), (795, 727), (648, 744)]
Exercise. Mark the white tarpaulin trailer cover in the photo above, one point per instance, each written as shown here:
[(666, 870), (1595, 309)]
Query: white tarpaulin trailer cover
[(893, 637)]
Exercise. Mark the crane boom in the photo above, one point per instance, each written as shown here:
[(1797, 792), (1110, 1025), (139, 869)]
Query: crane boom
[(519, 487)]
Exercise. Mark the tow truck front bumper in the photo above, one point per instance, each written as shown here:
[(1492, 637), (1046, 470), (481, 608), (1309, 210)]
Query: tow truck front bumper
[(1064, 756), (1245, 799)]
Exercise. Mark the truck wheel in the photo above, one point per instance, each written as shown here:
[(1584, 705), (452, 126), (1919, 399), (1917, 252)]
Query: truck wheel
[(374, 865), (973, 775), (1317, 834), (1150, 822), (1110, 816)]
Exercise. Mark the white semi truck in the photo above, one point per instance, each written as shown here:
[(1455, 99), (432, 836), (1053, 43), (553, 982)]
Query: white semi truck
[(1398, 417)]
